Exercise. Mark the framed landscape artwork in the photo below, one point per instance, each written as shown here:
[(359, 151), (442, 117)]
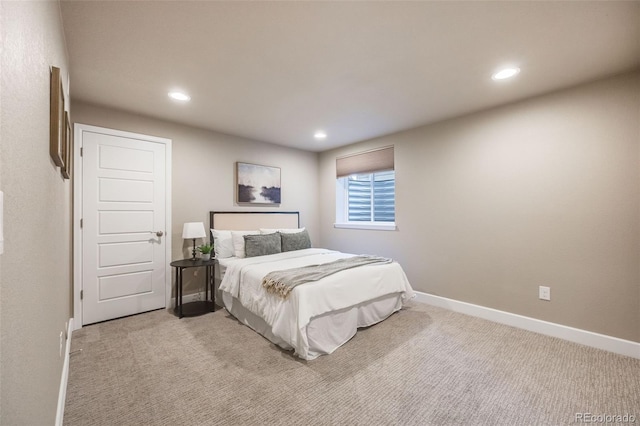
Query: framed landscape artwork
[(56, 125), (257, 184)]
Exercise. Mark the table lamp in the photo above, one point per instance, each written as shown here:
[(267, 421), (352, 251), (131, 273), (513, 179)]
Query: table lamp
[(191, 231)]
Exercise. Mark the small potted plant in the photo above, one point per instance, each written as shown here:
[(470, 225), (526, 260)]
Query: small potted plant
[(205, 251)]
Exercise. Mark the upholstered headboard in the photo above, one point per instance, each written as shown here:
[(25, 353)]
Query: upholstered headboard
[(240, 221)]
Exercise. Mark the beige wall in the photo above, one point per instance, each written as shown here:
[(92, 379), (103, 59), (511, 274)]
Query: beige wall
[(203, 173), (35, 285), (494, 204)]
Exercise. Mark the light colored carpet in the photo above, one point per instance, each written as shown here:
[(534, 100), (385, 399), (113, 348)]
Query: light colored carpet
[(422, 366)]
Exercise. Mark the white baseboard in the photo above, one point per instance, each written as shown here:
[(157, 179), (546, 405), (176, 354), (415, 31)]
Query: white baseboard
[(62, 393), (576, 335), (187, 298), (193, 297)]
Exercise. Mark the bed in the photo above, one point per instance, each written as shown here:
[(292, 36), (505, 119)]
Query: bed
[(315, 318)]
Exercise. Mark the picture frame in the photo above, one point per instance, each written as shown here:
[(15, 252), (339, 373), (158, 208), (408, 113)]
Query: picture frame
[(67, 148), (56, 119), (257, 184)]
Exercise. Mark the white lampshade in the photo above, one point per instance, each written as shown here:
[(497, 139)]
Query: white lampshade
[(193, 230)]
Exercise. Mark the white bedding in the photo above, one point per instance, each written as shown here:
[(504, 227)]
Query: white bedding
[(289, 318)]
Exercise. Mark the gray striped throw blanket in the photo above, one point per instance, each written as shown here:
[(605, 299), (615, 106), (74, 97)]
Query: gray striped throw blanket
[(282, 282)]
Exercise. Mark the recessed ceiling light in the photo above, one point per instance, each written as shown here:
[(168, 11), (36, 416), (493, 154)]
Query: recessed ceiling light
[(320, 135), (505, 73), (179, 96)]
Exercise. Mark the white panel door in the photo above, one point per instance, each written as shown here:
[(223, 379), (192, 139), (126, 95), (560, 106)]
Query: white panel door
[(124, 225)]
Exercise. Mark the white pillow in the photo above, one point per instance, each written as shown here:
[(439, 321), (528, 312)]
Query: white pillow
[(282, 231), (238, 241), (223, 243)]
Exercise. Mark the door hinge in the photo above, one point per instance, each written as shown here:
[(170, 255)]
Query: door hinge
[(81, 294), (80, 223), (80, 151)]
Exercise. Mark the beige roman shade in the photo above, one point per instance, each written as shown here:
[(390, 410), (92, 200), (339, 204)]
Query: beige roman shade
[(376, 160)]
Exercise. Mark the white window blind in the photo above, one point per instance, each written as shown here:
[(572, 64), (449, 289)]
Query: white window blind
[(371, 197)]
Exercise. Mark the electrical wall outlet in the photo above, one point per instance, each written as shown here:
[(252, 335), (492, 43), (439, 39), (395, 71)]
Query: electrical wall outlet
[(544, 293)]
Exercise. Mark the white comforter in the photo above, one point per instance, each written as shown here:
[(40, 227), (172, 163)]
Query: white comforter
[(289, 318)]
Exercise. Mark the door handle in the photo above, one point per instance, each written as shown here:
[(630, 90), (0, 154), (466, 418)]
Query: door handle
[(158, 233)]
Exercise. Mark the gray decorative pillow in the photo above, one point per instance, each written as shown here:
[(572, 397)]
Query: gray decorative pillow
[(261, 245), (297, 241)]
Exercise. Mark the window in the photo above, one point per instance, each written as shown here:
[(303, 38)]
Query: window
[(366, 199)]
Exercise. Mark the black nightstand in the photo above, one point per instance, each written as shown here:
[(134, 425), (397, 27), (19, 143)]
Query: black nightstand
[(202, 306)]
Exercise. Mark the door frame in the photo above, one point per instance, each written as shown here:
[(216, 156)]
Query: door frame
[(78, 130)]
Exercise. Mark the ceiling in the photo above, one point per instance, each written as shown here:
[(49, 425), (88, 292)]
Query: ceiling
[(279, 71)]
